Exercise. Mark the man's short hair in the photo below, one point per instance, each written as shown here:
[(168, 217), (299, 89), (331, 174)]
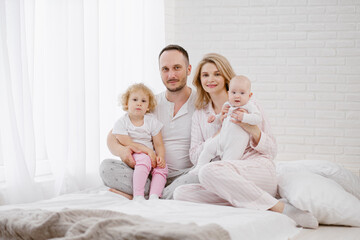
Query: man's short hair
[(178, 48)]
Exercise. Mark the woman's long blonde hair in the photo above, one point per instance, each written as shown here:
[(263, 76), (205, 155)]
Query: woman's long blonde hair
[(225, 69)]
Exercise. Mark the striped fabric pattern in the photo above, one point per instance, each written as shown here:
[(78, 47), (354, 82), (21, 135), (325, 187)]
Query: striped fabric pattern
[(249, 182)]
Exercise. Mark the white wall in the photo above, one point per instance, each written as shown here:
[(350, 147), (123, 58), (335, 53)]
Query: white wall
[(303, 57)]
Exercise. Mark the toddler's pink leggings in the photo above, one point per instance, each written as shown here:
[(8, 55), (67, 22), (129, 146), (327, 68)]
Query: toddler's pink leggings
[(141, 173)]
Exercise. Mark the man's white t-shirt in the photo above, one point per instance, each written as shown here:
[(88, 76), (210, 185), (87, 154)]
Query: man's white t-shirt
[(176, 132)]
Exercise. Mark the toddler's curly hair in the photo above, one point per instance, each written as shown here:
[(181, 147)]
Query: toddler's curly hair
[(124, 98)]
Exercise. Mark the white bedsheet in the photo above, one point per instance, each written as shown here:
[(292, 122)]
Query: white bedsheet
[(240, 223)]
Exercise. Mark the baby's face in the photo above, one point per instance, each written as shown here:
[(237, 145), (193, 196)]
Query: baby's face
[(239, 92)]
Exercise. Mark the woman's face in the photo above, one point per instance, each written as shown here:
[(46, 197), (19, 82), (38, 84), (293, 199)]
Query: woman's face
[(211, 79)]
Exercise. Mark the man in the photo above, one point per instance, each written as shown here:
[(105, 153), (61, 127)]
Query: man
[(174, 109)]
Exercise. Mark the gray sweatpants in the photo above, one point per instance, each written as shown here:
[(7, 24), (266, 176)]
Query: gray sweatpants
[(116, 174)]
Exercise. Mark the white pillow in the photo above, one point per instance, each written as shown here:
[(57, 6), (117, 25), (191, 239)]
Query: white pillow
[(323, 197), (349, 181)]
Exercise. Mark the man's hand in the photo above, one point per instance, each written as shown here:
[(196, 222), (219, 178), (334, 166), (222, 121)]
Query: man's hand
[(126, 155)]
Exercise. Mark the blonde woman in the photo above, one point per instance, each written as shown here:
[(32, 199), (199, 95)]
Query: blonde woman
[(232, 140), (249, 182)]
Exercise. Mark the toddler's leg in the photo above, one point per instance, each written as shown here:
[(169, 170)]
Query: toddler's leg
[(141, 173), (158, 181)]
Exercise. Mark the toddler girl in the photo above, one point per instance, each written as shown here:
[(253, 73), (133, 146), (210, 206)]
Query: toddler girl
[(142, 130)]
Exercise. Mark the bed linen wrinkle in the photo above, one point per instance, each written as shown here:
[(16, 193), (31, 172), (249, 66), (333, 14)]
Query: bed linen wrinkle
[(76, 224)]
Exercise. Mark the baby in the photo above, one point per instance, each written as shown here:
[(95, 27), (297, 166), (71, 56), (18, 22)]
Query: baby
[(232, 140), (142, 130)]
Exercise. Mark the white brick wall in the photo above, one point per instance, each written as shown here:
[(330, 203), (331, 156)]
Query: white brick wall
[(303, 57), (169, 20)]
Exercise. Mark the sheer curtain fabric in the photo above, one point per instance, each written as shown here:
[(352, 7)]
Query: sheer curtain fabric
[(62, 65)]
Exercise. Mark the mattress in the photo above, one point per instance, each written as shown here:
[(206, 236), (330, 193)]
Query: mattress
[(326, 189), (239, 223)]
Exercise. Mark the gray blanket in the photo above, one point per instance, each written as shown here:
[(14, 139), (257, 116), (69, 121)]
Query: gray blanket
[(97, 224)]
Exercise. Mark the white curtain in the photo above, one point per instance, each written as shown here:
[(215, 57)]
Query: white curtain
[(62, 65)]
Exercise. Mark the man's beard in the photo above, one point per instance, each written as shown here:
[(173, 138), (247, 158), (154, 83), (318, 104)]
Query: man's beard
[(177, 89)]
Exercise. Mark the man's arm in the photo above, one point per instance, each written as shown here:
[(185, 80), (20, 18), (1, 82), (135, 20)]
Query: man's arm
[(126, 140), (124, 152)]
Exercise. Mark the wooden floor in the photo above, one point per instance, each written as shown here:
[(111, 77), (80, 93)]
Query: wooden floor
[(329, 233)]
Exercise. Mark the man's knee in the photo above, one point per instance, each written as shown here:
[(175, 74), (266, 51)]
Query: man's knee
[(107, 162), (116, 174), (108, 165)]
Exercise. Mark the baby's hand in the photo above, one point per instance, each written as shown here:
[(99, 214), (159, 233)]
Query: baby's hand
[(211, 118), (160, 162), (224, 112)]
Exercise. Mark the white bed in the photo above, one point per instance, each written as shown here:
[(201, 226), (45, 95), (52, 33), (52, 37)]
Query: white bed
[(239, 223)]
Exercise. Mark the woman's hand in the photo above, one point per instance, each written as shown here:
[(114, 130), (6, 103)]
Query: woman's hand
[(253, 130)]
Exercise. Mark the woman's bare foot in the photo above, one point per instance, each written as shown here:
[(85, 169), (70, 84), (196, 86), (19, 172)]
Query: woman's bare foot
[(128, 196)]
